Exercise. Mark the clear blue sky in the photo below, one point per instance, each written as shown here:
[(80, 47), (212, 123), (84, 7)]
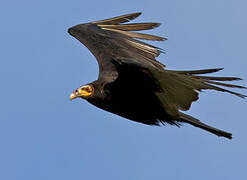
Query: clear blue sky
[(44, 136)]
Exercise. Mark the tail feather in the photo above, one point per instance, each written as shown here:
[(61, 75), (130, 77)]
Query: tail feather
[(195, 122)]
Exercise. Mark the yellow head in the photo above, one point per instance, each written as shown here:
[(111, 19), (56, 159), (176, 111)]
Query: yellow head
[(83, 91)]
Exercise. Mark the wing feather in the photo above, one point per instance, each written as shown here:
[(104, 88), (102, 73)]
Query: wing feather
[(201, 71), (122, 35), (180, 90), (109, 38), (138, 35), (119, 19), (131, 27), (218, 78)]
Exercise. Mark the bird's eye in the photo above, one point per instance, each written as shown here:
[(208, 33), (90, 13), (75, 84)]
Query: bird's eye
[(76, 91), (88, 89), (83, 89)]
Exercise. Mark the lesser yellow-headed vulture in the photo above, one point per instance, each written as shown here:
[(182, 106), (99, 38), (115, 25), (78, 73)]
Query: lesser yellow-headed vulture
[(133, 84)]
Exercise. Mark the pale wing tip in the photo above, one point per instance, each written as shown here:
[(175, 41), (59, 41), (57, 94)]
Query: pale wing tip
[(158, 38), (217, 69), (137, 14), (164, 39), (241, 95), (156, 24), (119, 19), (132, 16)]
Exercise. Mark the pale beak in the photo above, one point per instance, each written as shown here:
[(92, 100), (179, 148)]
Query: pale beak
[(72, 96)]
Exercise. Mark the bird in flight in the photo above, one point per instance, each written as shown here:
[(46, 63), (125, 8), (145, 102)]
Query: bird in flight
[(133, 84)]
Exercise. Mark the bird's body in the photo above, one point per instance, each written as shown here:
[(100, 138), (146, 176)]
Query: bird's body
[(133, 84), (130, 99)]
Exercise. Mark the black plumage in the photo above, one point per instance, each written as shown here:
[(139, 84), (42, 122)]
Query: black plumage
[(133, 84)]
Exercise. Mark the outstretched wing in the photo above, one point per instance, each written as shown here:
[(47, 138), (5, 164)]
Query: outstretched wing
[(180, 88), (112, 39), (177, 90)]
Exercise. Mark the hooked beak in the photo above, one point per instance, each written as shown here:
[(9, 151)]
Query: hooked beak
[(72, 96)]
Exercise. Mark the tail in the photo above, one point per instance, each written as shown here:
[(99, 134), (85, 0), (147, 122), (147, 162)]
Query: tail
[(195, 122)]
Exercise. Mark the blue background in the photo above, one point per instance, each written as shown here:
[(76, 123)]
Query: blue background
[(44, 136)]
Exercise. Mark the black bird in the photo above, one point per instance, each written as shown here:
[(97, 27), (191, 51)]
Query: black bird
[(133, 84)]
